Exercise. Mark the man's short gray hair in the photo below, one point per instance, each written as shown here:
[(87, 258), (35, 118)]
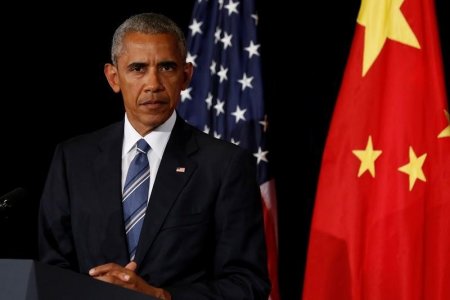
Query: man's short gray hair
[(148, 23)]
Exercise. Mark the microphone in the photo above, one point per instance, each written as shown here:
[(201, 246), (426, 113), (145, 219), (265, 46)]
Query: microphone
[(8, 200)]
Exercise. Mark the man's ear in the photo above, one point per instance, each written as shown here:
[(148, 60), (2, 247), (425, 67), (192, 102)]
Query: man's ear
[(112, 76), (188, 71)]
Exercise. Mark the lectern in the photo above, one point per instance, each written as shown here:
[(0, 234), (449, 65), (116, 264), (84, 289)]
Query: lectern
[(31, 280)]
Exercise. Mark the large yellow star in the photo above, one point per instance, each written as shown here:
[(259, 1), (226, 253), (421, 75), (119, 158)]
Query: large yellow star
[(383, 19), (414, 168), (446, 132), (367, 158)]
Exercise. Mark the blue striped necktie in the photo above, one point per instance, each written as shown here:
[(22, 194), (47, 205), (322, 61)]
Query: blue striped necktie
[(135, 196)]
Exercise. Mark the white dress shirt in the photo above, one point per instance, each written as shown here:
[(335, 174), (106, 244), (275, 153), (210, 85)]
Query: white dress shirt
[(157, 139)]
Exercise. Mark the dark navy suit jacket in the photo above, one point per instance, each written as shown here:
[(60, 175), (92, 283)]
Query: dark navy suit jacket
[(202, 236)]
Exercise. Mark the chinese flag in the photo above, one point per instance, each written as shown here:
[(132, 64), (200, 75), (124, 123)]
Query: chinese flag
[(381, 223)]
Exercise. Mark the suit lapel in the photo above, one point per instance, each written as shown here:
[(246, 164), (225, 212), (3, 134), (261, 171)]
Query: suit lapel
[(107, 167), (174, 172)]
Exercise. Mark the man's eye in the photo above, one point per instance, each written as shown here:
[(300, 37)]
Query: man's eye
[(167, 66), (137, 68)]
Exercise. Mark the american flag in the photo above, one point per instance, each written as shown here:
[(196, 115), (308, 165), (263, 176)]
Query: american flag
[(225, 98)]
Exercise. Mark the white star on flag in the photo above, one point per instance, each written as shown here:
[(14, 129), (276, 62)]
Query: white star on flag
[(246, 81), (239, 114), (195, 27), (252, 49), (260, 155), (186, 94)]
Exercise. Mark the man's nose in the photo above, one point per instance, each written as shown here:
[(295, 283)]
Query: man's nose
[(153, 81)]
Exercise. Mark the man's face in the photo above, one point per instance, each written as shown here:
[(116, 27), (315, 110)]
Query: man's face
[(150, 73)]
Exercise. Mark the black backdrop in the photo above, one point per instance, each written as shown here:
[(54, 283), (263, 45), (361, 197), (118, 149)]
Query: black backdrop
[(53, 88)]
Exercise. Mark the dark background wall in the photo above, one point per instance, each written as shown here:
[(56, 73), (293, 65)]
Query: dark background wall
[(53, 88)]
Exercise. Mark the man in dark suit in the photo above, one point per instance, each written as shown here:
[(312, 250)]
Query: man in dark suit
[(201, 235)]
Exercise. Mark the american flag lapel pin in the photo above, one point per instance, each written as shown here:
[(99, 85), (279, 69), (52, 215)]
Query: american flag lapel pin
[(180, 169)]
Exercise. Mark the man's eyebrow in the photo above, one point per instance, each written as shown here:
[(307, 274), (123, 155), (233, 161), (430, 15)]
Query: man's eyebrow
[(137, 65), (168, 63)]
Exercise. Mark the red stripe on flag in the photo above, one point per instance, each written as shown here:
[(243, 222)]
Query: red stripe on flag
[(270, 224)]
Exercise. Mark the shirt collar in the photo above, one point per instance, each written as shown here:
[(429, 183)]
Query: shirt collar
[(157, 138)]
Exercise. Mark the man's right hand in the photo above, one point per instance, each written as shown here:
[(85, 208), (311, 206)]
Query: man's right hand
[(126, 277)]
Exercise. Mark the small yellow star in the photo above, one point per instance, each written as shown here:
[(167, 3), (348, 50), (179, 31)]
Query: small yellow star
[(446, 132), (383, 19), (367, 158), (414, 168)]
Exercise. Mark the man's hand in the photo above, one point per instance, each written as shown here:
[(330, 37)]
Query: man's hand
[(127, 278)]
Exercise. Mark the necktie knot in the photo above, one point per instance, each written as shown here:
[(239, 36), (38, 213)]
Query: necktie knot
[(142, 146)]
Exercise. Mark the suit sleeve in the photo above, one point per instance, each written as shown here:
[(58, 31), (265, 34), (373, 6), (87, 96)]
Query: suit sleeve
[(240, 262), (55, 238)]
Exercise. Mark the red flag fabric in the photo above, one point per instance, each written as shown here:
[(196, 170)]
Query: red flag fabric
[(381, 222)]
